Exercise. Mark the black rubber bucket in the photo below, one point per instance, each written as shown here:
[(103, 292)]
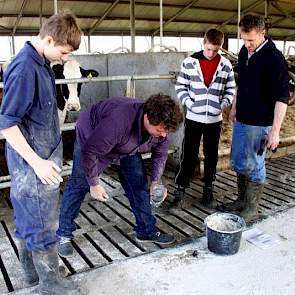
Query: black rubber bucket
[(224, 231)]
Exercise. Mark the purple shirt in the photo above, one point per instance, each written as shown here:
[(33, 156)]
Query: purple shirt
[(112, 129)]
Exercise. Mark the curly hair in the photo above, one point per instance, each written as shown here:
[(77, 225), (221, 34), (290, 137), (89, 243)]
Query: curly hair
[(162, 109)]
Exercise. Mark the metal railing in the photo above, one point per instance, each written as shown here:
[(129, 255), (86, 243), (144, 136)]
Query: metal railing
[(130, 90)]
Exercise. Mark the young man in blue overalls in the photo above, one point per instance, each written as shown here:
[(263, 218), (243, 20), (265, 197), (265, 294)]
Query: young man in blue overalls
[(29, 123)]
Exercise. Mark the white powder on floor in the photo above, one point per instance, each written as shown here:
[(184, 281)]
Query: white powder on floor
[(175, 271)]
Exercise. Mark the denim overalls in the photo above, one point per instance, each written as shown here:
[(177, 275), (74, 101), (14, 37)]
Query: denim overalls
[(35, 204)]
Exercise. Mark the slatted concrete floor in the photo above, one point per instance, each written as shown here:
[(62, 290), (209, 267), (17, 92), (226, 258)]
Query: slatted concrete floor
[(105, 230)]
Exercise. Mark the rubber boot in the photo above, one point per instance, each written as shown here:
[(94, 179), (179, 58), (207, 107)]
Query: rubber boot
[(50, 281), (208, 198), (26, 260), (178, 200), (253, 195), (240, 203)]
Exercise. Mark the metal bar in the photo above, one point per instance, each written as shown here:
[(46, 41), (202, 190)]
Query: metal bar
[(243, 11), (41, 11), (19, 16), (277, 6), (67, 170), (132, 24), (55, 6), (100, 20), (175, 16), (89, 43), (63, 127), (13, 45), (111, 78), (161, 23), (266, 13), (238, 31), (32, 15)]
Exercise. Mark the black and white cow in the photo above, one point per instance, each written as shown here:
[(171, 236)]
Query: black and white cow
[(68, 94)]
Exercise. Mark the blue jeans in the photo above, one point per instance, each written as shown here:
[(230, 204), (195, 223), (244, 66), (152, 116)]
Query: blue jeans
[(134, 182), (246, 142)]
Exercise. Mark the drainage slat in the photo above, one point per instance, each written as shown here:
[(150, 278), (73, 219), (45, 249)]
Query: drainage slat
[(105, 230), (90, 254), (15, 274), (106, 246)]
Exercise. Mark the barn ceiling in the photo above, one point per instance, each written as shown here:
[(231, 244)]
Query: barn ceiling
[(180, 17)]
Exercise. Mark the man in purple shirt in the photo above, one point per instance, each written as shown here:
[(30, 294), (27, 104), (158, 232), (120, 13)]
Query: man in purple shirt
[(116, 131)]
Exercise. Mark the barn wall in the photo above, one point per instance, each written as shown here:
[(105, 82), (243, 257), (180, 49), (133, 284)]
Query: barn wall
[(130, 64)]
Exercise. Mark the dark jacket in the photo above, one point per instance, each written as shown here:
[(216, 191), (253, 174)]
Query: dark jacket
[(262, 81)]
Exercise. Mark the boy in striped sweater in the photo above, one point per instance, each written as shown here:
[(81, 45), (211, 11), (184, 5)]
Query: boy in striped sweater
[(205, 86)]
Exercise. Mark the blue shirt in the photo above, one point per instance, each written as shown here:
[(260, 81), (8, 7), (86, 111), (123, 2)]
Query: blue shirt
[(113, 128), (29, 99)]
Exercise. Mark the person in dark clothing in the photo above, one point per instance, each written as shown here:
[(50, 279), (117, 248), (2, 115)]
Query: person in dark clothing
[(29, 123), (116, 131), (206, 86), (257, 112)]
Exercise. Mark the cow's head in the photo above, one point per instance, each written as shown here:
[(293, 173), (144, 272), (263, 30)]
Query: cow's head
[(68, 94)]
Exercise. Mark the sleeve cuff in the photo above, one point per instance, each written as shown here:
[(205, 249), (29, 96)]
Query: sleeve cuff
[(92, 181), (8, 121)]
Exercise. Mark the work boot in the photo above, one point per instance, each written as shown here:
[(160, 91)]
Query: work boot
[(238, 204), (253, 195), (208, 198), (50, 281), (26, 260)]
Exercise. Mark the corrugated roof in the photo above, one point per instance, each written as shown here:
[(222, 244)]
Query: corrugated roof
[(181, 17)]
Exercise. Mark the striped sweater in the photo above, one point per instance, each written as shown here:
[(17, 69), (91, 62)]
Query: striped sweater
[(205, 104)]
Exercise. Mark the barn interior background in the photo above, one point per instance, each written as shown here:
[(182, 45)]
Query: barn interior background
[(141, 75)]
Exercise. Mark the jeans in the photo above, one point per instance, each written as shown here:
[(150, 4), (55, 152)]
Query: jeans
[(133, 180), (190, 151), (246, 142)]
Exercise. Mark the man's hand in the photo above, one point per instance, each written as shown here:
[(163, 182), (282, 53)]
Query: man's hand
[(97, 192), (232, 115), (154, 185), (272, 140), (47, 171)]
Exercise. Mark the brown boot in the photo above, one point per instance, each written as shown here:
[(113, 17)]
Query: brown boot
[(253, 195), (238, 204)]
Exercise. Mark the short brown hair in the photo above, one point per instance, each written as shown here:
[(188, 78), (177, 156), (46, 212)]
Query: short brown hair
[(214, 37), (162, 109), (64, 30), (252, 21)]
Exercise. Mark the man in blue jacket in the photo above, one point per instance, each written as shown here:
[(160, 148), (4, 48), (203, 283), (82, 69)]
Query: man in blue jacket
[(29, 123), (257, 112), (116, 131)]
